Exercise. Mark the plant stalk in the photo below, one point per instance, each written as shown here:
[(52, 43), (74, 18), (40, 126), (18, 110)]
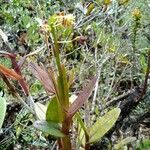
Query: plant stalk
[(63, 94)]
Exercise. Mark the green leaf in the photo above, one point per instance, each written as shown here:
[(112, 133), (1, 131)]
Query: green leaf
[(49, 127), (2, 110), (54, 111), (82, 130), (7, 16), (143, 63), (124, 142), (26, 21), (52, 19), (103, 124), (36, 87), (81, 135), (80, 121)]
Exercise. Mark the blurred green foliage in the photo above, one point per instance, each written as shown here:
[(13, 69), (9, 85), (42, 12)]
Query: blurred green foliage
[(108, 49)]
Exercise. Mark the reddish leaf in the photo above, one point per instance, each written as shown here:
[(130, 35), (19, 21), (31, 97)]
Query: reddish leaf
[(7, 54), (83, 96), (17, 68), (21, 62), (43, 77), (24, 86), (9, 73)]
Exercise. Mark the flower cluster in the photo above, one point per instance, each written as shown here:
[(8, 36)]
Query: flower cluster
[(65, 20), (60, 19), (136, 13)]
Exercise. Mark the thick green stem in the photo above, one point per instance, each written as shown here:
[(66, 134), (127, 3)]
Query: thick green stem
[(63, 94), (56, 50)]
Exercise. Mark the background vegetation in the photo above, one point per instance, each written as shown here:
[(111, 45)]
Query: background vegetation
[(110, 39)]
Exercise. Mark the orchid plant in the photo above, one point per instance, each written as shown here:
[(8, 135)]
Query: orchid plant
[(58, 120)]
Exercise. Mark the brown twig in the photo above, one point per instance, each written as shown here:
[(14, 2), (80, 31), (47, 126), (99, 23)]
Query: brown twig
[(146, 78)]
